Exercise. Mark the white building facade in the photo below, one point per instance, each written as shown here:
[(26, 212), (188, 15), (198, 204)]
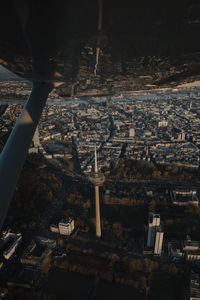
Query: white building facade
[(154, 221), (66, 228)]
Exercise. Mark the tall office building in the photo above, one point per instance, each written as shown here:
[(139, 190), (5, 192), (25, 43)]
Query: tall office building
[(158, 242), (155, 234), (66, 226), (154, 221)]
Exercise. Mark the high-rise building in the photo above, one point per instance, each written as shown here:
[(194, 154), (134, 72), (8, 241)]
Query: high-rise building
[(158, 242), (66, 227), (154, 221), (155, 234)]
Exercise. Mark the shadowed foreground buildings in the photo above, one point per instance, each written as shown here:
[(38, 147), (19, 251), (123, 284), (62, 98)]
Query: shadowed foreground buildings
[(38, 252), (194, 287), (9, 243)]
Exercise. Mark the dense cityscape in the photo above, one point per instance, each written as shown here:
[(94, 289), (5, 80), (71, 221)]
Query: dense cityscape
[(147, 146), (100, 150)]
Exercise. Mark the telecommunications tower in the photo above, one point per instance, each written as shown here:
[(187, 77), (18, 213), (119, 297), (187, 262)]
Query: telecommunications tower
[(97, 180)]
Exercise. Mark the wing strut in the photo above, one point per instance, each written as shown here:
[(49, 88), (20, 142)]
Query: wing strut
[(14, 153)]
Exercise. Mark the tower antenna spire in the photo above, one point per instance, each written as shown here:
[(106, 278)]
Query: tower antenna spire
[(95, 159)]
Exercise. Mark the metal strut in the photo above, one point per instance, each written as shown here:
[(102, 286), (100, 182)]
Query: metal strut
[(14, 153)]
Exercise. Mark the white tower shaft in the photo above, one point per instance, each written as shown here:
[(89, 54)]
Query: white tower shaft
[(95, 159), (97, 206)]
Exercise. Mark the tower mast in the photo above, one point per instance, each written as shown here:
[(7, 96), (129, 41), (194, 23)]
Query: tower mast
[(95, 160), (97, 208), (97, 179), (97, 204)]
